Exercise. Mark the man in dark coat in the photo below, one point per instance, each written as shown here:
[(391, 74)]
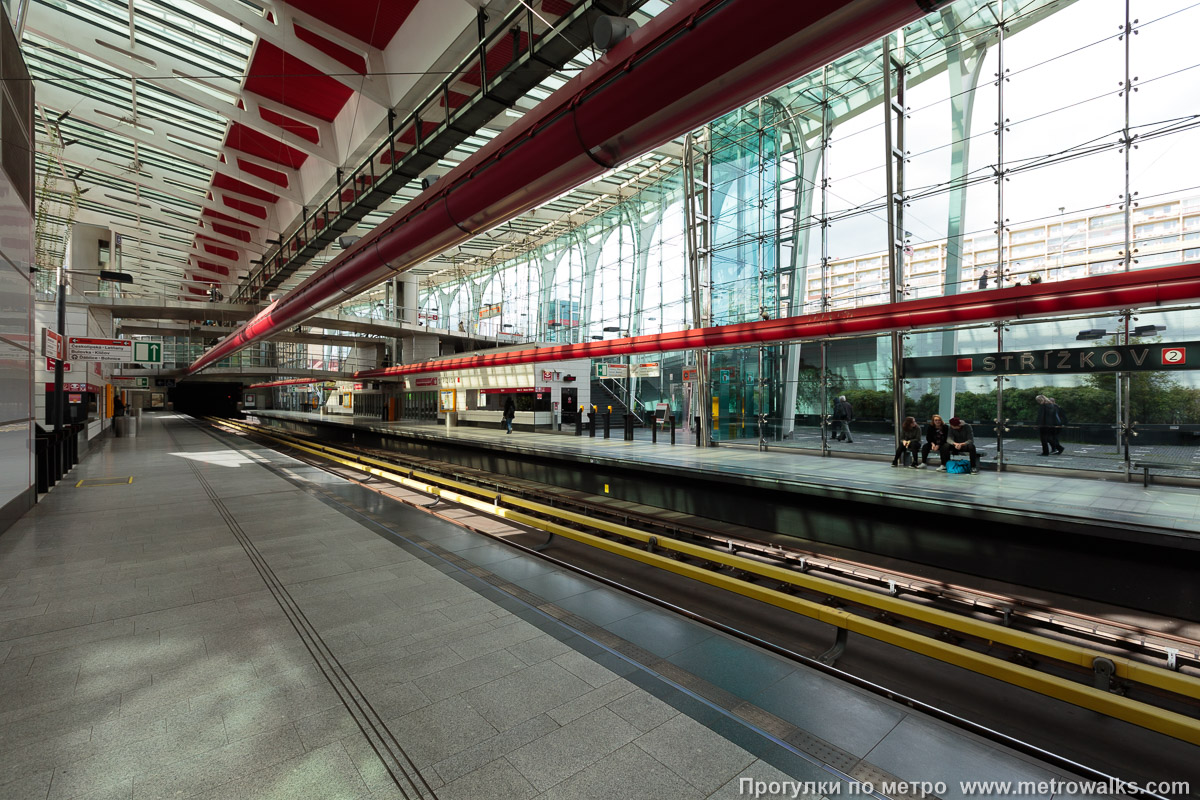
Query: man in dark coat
[(510, 411), (960, 439), (1048, 422), (843, 412)]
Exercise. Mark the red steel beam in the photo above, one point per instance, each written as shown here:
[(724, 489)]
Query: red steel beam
[(1140, 289), (692, 63), (288, 382)]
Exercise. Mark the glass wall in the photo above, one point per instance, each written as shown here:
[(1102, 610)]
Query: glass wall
[(1009, 143)]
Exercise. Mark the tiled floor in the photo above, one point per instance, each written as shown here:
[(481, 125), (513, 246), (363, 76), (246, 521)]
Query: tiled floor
[(1172, 508), (235, 624)]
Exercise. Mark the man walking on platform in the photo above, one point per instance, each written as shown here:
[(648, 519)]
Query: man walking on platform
[(843, 412), (510, 411)]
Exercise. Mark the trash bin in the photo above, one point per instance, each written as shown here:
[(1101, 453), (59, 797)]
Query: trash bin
[(121, 425), (451, 419), (132, 422)]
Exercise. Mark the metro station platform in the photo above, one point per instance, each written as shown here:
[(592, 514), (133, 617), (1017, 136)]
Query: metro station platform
[(192, 615), (1113, 506)]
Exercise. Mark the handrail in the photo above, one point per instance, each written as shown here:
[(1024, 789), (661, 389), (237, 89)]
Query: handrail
[(364, 185)]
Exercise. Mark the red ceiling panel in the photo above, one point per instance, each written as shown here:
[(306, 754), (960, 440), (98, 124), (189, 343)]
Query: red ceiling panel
[(217, 250), (290, 125), (372, 21), (282, 77), (258, 144), (208, 212), (335, 51), (211, 267), (231, 232), (556, 8), (253, 209), (274, 176), (234, 185)]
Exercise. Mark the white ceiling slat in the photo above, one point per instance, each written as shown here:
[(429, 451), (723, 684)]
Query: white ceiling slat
[(282, 35), (163, 71)]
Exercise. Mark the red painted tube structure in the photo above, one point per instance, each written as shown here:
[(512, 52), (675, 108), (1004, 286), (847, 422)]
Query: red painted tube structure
[(1140, 289), (288, 382), (692, 63)]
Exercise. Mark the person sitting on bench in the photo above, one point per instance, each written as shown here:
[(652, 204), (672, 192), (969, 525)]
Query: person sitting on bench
[(935, 441), (960, 439), (910, 439)]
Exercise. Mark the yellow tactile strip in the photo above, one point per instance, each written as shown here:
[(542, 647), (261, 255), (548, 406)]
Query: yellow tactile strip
[(90, 482)]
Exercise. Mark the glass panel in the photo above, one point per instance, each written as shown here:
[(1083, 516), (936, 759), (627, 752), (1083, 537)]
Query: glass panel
[(860, 371), (1062, 148), (1163, 181), (858, 234), (1089, 433)]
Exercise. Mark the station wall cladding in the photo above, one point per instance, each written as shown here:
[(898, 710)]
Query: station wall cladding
[(207, 399)]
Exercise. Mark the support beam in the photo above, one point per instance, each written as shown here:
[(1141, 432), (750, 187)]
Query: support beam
[(601, 118), (1141, 289)]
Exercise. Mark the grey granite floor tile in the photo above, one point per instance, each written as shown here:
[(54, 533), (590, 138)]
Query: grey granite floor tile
[(587, 703), (812, 786), (525, 694), (214, 768), (440, 730), (469, 674), (472, 758), (584, 668), (641, 710), (571, 748), (698, 755), (498, 780), (630, 774), (321, 774)]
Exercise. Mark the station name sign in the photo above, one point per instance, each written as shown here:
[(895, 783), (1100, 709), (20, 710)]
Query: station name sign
[(1124, 358)]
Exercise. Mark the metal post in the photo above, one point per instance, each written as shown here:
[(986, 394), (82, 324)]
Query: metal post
[(59, 396), (1000, 419), (1122, 381), (672, 429), (825, 298), (697, 186), (762, 393), (607, 420), (893, 142), (1001, 122)]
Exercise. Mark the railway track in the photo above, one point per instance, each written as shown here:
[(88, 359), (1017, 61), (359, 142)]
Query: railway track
[(1146, 677)]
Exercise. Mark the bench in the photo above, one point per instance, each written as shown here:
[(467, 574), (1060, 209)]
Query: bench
[(1146, 466)]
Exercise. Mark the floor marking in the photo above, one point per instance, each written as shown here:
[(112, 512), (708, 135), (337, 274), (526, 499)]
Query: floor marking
[(90, 482)]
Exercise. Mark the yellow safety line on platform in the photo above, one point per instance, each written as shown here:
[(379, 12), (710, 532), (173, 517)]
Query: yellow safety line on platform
[(1150, 717)]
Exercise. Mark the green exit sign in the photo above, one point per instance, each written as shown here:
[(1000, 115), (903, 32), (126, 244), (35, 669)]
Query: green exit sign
[(147, 352)]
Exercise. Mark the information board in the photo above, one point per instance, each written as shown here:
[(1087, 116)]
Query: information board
[(82, 348)]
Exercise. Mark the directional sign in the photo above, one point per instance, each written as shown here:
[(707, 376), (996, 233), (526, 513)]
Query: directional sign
[(131, 380), (52, 344), (147, 352), (80, 348)]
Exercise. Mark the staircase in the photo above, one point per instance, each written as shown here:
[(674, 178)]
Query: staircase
[(611, 392)]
